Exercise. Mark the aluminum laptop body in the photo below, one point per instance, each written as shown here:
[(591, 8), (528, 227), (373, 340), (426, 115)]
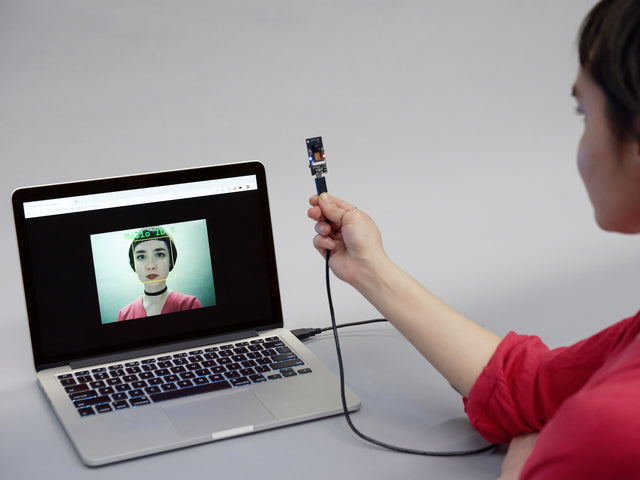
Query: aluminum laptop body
[(113, 366)]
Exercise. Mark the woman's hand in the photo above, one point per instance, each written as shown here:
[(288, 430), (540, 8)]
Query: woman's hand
[(458, 348), (518, 453), (350, 234)]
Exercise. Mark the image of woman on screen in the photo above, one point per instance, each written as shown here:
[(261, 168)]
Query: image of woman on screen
[(152, 256)]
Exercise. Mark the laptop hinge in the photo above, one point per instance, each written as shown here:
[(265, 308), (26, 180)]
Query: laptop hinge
[(159, 349)]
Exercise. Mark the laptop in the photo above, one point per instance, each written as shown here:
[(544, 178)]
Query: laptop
[(155, 314)]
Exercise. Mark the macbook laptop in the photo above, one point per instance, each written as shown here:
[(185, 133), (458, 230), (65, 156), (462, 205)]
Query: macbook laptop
[(155, 313)]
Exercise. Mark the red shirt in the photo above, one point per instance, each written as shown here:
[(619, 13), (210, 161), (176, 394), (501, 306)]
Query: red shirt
[(584, 400), (175, 302)]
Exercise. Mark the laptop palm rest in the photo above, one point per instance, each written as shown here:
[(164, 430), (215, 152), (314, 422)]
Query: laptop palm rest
[(220, 416)]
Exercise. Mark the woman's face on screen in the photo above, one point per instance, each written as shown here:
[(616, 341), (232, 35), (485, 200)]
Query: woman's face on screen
[(152, 260)]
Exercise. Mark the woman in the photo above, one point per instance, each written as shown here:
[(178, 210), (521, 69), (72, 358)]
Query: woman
[(152, 256), (570, 412)]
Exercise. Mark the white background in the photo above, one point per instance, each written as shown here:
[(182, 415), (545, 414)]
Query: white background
[(450, 122)]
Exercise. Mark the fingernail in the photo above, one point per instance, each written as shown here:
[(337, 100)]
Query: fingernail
[(325, 198)]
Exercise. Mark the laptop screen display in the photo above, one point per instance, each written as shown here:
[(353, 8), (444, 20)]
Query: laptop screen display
[(116, 264)]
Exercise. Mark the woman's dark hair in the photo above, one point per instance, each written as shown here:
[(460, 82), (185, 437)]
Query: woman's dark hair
[(609, 48), (153, 233)]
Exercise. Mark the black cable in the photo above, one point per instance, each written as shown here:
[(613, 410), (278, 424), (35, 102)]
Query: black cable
[(345, 409), (355, 324), (304, 333)]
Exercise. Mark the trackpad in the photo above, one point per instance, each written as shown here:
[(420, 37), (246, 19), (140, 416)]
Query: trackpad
[(219, 416)]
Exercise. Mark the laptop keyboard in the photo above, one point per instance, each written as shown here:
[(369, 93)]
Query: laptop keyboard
[(165, 377)]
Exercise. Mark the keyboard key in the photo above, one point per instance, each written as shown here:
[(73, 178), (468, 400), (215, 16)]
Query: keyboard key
[(92, 401), (104, 408), (209, 387), (83, 395), (287, 364), (240, 382), (302, 371), (85, 412), (121, 405)]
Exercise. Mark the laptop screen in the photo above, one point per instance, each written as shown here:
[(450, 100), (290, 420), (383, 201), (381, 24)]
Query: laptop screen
[(117, 264)]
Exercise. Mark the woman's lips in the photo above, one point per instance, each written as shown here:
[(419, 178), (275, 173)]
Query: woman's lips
[(152, 276)]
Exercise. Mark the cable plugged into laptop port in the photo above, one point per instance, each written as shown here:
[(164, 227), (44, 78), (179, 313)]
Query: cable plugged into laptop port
[(304, 333)]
